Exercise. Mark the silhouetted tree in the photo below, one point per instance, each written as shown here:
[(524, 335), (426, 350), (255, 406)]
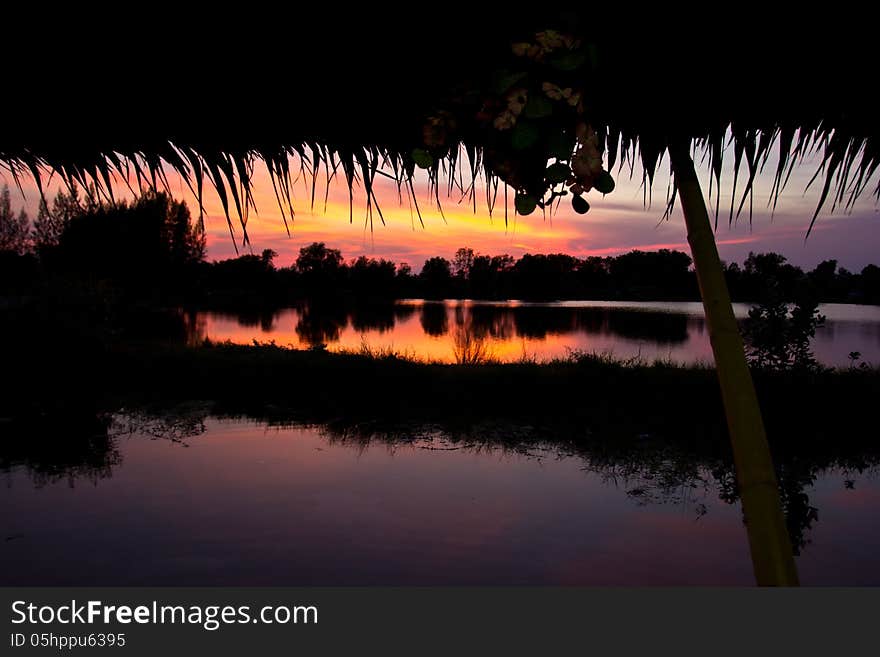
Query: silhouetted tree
[(148, 242), (761, 268), (489, 277), (14, 228), (370, 277), (321, 269), (655, 274), (870, 284), (824, 279), (436, 277), (46, 231), (405, 281), (317, 258), (268, 257), (593, 278), (481, 282), (247, 280), (777, 335), (51, 222), (542, 276), (462, 263)]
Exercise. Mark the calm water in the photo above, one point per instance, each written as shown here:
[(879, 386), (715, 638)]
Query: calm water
[(237, 502), (452, 330)]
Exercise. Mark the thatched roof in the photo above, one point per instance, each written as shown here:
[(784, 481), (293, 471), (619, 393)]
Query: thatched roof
[(351, 93)]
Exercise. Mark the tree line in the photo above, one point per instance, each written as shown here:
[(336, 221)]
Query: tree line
[(152, 245)]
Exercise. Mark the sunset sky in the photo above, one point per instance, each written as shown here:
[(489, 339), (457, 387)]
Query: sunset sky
[(616, 223)]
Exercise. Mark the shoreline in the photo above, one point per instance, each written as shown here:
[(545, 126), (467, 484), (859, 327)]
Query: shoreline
[(586, 393)]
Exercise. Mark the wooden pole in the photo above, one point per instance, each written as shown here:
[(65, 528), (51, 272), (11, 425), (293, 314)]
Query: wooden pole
[(769, 542)]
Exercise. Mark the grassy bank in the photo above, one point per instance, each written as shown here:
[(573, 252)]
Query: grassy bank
[(576, 395)]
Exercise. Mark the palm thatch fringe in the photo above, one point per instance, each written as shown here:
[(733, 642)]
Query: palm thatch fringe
[(848, 164)]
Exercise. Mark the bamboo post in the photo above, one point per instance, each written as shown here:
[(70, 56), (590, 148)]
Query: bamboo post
[(769, 542)]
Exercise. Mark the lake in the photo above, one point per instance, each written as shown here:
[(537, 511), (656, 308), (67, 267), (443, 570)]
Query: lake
[(453, 331), (197, 500)]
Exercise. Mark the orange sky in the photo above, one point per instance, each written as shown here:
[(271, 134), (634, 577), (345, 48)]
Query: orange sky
[(616, 223)]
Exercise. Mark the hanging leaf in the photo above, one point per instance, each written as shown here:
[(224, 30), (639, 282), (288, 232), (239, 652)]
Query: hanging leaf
[(538, 107), (579, 204), (523, 136), (504, 80), (525, 203), (560, 146), (569, 61), (603, 183), (557, 173), (422, 158)]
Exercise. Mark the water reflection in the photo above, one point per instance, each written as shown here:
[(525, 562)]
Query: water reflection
[(320, 324), (437, 330), (434, 319), (238, 501), (77, 446)]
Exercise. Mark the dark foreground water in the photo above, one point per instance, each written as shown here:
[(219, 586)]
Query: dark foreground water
[(451, 331), (234, 502)]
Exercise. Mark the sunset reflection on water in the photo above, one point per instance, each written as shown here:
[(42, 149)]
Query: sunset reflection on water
[(472, 331)]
